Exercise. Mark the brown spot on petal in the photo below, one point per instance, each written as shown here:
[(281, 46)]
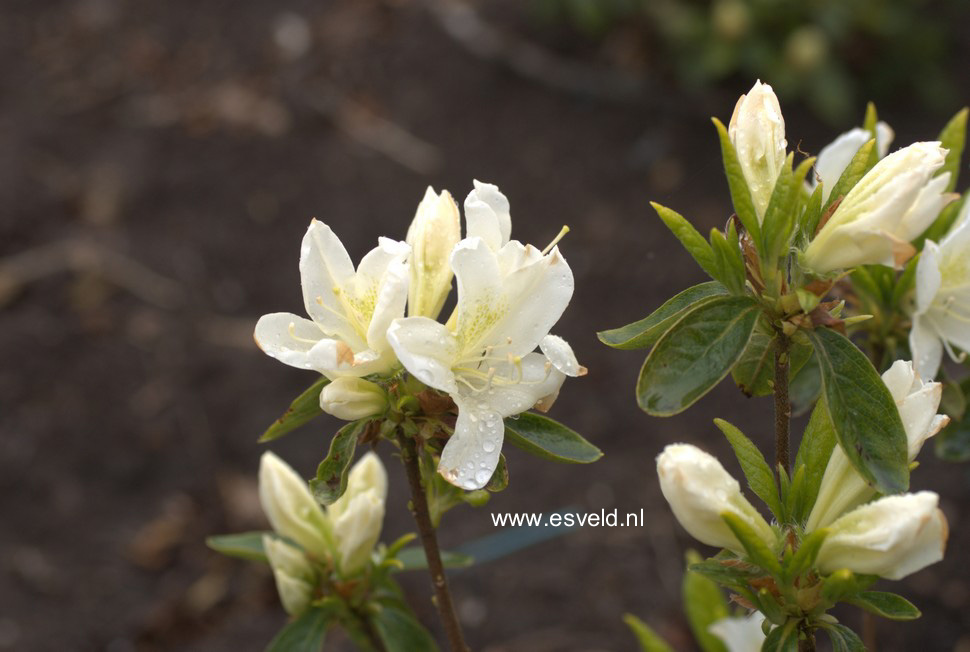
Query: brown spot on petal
[(345, 355)]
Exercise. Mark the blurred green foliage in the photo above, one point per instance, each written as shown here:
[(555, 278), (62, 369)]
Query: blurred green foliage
[(833, 54)]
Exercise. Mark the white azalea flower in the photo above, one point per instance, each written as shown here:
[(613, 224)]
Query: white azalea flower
[(842, 488), (509, 296), (941, 317), (890, 206), (836, 156), (890, 537), (700, 492), (740, 634), (349, 309), (757, 130)]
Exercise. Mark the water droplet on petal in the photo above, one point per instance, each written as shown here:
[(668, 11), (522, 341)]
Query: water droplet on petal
[(488, 445), (482, 477)]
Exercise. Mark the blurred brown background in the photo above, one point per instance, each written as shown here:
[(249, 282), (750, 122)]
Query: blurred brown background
[(159, 163)]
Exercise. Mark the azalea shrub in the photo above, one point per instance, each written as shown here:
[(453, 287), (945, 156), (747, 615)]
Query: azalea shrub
[(837, 284)]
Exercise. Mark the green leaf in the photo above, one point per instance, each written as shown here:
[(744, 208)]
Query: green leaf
[(804, 557), (757, 550), (887, 605), (693, 242), (727, 253), (863, 412), (413, 558), (734, 574), (808, 223), (399, 631), (805, 385), (754, 372), (331, 481), (245, 545), (779, 222), (740, 193), (753, 464), (549, 439), (818, 441), (871, 119), (644, 333), (500, 477), (853, 172), (704, 604), (695, 354), (954, 138), (794, 501), (844, 639), (303, 408), (305, 634), (782, 639), (648, 639)]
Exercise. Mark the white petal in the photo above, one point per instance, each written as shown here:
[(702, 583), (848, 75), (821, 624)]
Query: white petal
[(900, 379), (884, 138), (928, 278), (427, 349), (479, 284), (561, 355), (918, 413), (515, 255), (392, 296), (334, 358), (530, 381), (324, 266), (958, 238), (740, 634), (926, 207), (287, 338), (926, 347), (487, 215), (471, 454), (836, 156)]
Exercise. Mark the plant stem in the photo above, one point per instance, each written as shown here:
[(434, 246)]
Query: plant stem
[(429, 540), (807, 644), (782, 404)]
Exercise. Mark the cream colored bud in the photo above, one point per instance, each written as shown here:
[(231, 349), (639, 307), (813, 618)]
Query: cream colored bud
[(757, 130), (433, 234), (357, 529), (293, 574), (700, 491), (350, 398), (291, 508), (890, 537), (368, 473), (890, 206)]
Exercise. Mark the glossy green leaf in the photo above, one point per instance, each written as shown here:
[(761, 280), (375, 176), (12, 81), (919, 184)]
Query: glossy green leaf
[(863, 413), (954, 138), (305, 634), (648, 639), (644, 333), (853, 172), (331, 480), (805, 385), (738, 185), (816, 447), (695, 354), (753, 464), (693, 242), (549, 439), (400, 631), (704, 604), (303, 408), (887, 605), (413, 558), (844, 639)]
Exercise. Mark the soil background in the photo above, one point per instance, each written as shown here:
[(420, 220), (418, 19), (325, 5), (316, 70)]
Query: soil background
[(159, 163)]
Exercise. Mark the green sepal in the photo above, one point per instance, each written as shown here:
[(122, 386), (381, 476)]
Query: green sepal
[(757, 550), (704, 604), (738, 185), (695, 354), (887, 605), (755, 468), (648, 639), (306, 633), (549, 439), (853, 172), (644, 333), (863, 412), (693, 242), (330, 482), (304, 407)]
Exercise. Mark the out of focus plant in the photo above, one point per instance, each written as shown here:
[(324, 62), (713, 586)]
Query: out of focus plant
[(828, 53), (788, 271)]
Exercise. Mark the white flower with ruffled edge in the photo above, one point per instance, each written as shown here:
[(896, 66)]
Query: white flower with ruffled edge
[(509, 296), (835, 157), (350, 309), (941, 315)]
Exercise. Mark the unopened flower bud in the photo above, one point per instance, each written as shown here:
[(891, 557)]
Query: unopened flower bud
[(757, 130), (357, 529), (350, 398), (292, 572), (368, 473), (890, 537), (291, 508), (433, 234), (700, 491)]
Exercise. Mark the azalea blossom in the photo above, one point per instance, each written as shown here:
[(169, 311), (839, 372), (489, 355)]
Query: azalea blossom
[(835, 157), (350, 309), (700, 492), (509, 296), (740, 634), (941, 314), (842, 488), (757, 130), (890, 206), (891, 537)]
